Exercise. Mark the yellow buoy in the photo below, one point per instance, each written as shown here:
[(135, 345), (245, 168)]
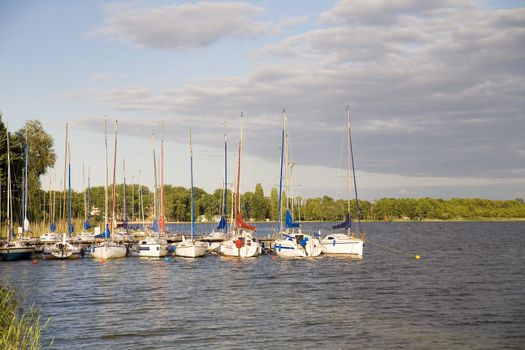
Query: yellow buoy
[(418, 257)]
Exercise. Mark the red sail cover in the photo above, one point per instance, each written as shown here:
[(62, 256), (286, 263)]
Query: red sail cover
[(239, 223)]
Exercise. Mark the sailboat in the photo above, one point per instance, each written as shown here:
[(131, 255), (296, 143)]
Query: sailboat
[(214, 238), (191, 248), (153, 245), (107, 249), (13, 249), (346, 242), (291, 243), (64, 249), (242, 243)]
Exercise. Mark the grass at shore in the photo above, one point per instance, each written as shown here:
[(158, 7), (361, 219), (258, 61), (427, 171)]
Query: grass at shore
[(19, 328)]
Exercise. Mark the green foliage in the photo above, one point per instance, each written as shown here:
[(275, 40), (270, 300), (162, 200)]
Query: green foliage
[(19, 328)]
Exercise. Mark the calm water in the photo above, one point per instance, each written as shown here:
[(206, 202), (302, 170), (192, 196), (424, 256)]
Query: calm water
[(467, 291)]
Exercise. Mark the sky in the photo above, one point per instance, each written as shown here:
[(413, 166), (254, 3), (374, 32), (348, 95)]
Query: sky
[(436, 91)]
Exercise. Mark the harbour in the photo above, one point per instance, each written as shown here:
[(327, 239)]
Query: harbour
[(384, 300)]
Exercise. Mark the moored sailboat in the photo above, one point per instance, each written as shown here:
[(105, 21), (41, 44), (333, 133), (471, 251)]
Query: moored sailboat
[(107, 249), (191, 248), (347, 242), (241, 243), (291, 243)]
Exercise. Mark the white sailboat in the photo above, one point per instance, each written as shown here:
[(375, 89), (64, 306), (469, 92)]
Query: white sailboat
[(153, 245), (291, 243), (191, 248), (12, 250), (86, 236), (346, 242), (51, 236), (241, 243), (107, 249)]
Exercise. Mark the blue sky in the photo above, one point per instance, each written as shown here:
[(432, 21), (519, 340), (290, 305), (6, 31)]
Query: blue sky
[(436, 88)]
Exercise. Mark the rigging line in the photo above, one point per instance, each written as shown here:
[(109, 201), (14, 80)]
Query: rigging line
[(393, 250)]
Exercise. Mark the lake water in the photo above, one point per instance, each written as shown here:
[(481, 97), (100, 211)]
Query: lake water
[(466, 291)]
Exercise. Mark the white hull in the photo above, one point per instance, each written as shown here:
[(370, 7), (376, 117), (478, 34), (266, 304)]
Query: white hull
[(62, 251), (342, 244), (153, 247), (297, 246), (190, 249), (213, 246), (108, 250), (213, 241), (247, 249)]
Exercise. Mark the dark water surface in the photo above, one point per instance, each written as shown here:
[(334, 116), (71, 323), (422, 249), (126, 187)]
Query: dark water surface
[(467, 291)]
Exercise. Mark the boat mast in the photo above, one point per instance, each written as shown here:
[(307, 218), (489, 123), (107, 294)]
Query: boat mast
[(113, 218), (224, 197), (279, 204), (9, 205), (192, 198), (237, 206), (106, 225), (64, 178), (162, 180), (155, 201), (85, 194), (88, 196), (351, 153), (69, 223), (25, 225)]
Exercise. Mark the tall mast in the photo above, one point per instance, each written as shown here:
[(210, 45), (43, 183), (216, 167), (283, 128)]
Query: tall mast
[(351, 152), (88, 195), (69, 223), (106, 226), (162, 181), (192, 199), (113, 218), (65, 170), (132, 198), (237, 206), (155, 223), (85, 194), (25, 225), (224, 197), (9, 205), (279, 204)]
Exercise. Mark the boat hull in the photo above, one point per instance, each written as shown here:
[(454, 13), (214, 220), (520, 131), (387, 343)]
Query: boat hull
[(343, 245), (16, 253), (152, 250), (247, 250), (59, 251), (108, 251), (297, 248), (189, 249)]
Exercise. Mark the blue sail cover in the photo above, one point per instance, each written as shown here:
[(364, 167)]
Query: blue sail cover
[(86, 225), (222, 223), (52, 227), (289, 220), (155, 225), (105, 234), (346, 224), (70, 229)]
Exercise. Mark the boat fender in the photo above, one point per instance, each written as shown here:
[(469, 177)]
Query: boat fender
[(333, 242), (238, 244), (303, 242)]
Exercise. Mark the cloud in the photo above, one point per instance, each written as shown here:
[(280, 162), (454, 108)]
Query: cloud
[(436, 90), (181, 26)]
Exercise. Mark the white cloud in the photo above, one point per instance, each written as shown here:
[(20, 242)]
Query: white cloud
[(429, 83), (181, 26)]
